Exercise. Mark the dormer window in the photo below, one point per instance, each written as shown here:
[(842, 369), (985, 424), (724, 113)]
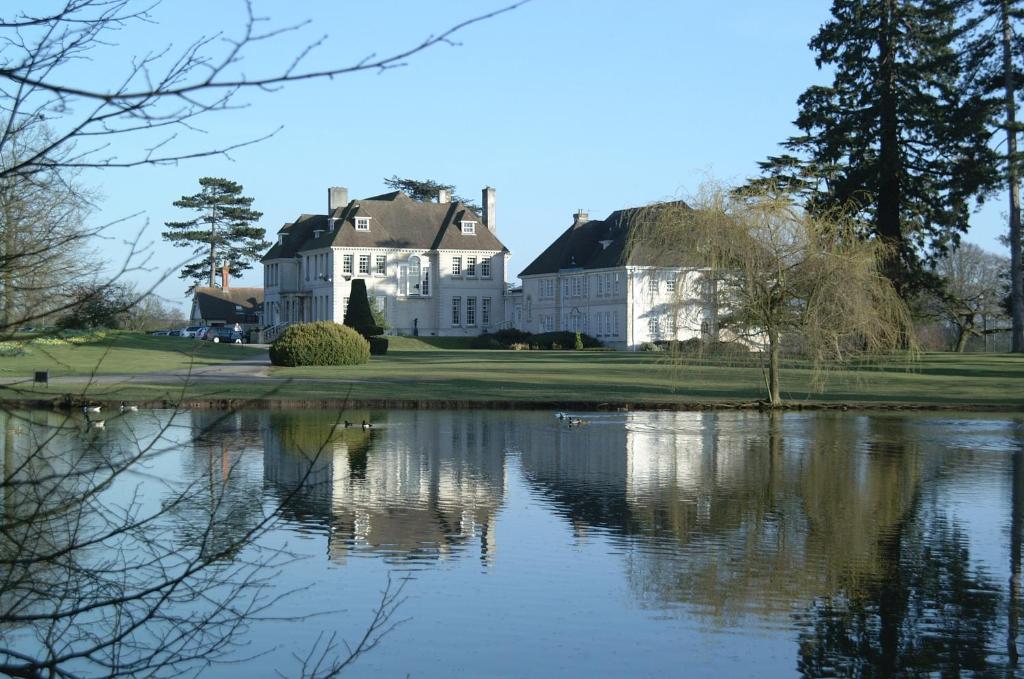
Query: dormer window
[(362, 223), (317, 232), (331, 223), (468, 228), (280, 239)]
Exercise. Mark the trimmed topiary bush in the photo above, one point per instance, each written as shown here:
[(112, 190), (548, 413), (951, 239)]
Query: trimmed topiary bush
[(319, 343), (378, 345), (358, 315)]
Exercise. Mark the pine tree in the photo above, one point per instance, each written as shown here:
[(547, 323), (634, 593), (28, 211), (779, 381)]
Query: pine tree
[(222, 233), (994, 60), (894, 138), (426, 190)]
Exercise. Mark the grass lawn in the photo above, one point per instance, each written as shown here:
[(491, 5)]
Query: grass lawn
[(423, 369), (118, 353)]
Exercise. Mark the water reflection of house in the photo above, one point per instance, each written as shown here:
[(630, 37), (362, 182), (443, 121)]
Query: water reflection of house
[(418, 485), (730, 511)]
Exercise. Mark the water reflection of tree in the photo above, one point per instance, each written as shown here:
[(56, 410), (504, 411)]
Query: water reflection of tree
[(221, 502), (416, 486), (929, 613)]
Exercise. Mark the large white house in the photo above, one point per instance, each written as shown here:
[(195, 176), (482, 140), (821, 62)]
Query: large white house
[(432, 268), (587, 280)]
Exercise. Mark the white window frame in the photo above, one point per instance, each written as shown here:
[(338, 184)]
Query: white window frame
[(362, 223), (457, 266), (468, 228), (485, 311), (670, 282), (412, 277), (347, 262), (364, 265), (380, 264), (456, 311), (471, 311), (485, 267), (471, 267)]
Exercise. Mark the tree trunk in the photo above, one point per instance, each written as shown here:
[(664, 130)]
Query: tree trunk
[(965, 330), (7, 267), (1016, 276), (1016, 527), (887, 219), (213, 246), (773, 368)]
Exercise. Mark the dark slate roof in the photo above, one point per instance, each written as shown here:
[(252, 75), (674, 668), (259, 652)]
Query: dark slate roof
[(220, 305), (396, 221), (580, 246)]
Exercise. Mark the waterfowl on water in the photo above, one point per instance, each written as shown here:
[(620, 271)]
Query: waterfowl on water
[(347, 424), (125, 408), (91, 409), (562, 416), (367, 425)]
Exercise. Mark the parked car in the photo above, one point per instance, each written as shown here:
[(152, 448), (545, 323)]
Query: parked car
[(217, 335), (192, 331), (174, 333), (160, 333)]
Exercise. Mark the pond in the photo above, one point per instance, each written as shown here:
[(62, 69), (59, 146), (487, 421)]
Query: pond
[(514, 545)]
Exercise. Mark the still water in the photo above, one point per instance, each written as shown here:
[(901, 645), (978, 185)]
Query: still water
[(638, 544)]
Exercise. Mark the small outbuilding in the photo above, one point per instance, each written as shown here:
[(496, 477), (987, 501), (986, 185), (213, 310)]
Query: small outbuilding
[(227, 306)]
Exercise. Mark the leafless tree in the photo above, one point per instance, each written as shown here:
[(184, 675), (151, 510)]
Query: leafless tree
[(974, 288), (101, 575), (93, 580), (782, 276), (160, 94)]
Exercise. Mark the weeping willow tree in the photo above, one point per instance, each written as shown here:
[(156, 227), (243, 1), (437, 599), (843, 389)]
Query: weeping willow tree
[(780, 277)]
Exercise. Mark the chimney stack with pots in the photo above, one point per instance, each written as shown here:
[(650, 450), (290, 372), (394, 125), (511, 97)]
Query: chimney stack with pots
[(224, 277), (444, 196), (337, 197), (580, 217), (487, 205)]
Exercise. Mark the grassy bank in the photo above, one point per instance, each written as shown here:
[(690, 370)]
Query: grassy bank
[(116, 352), (137, 368)]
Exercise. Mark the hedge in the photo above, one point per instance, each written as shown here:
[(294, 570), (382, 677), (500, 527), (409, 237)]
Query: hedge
[(319, 343)]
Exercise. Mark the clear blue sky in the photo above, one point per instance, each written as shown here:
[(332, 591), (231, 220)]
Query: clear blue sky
[(560, 105)]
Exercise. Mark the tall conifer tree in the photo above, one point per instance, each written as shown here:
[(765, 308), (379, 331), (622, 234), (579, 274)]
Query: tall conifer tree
[(222, 233), (894, 137), (994, 60)]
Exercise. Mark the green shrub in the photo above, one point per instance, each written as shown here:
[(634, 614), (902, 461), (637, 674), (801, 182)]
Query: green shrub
[(577, 342), (378, 345), (486, 342), (563, 338), (358, 315), (319, 343)]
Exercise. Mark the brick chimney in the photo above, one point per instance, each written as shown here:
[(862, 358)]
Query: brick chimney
[(580, 217), (487, 207), (337, 196), (224, 277), (444, 196)]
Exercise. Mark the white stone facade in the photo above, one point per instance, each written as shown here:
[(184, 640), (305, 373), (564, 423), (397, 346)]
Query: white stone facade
[(623, 307)]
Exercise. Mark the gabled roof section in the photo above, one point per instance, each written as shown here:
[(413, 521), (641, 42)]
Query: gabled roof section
[(396, 221), (598, 244), (295, 236)]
